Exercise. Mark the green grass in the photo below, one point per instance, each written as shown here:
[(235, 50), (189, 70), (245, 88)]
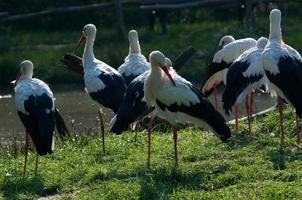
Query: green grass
[(250, 166)]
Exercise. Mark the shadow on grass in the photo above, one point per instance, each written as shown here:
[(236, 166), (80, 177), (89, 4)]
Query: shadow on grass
[(240, 140), (15, 188), (161, 182), (158, 182), (280, 156)]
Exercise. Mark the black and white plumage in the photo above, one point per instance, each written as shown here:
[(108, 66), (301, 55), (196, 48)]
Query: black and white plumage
[(283, 65), (103, 83), (229, 50), (36, 108), (179, 102), (135, 63), (244, 76), (134, 107)]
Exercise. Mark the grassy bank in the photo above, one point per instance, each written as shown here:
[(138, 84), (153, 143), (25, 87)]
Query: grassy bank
[(250, 166), (46, 48)]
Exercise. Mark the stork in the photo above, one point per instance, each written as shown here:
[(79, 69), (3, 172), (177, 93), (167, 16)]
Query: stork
[(179, 102), (228, 50), (36, 109), (283, 68), (135, 63), (134, 108), (103, 83), (244, 76)]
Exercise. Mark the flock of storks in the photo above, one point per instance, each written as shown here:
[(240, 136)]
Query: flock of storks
[(141, 89)]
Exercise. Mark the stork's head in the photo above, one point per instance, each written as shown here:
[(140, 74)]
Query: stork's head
[(225, 40), (134, 43), (275, 25), (27, 68), (88, 33), (132, 36), (275, 15), (158, 59), (261, 42), (26, 72)]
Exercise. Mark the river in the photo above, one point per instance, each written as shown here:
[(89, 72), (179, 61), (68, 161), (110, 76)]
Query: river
[(80, 112)]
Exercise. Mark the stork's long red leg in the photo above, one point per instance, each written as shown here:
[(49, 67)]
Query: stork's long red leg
[(247, 105), (280, 108), (175, 146), (25, 152), (298, 130), (149, 140), (252, 95), (37, 162), (252, 103), (102, 130), (236, 117)]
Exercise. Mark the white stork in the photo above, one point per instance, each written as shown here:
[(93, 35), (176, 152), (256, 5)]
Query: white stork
[(244, 76), (103, 83), (228, 51), (135, 63), (36, 109), (133, 107), (283, 68), (179, 102)]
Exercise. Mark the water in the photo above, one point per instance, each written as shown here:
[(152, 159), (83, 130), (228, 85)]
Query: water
[(75, 105), (72, 101)]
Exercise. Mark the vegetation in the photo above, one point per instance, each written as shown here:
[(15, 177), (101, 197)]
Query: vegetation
[(250, 166), (46, 48), (45, 39)]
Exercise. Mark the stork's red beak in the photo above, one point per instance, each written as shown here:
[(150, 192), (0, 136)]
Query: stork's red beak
[(80, 42), (14, 82), (165, 69)]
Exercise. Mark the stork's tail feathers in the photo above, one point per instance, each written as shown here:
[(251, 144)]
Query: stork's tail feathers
[(210, 86), (214, 81), (215, 71), (73, 63), (220, 127), (112, 122), (118, 124), (228, 100), (60, 125)]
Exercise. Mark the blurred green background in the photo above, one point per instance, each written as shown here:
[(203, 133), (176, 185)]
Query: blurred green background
[(44, 39)]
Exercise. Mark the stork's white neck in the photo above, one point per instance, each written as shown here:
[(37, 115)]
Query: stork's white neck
[(134, 46), (275, 28), (25, 77), (88, 56)]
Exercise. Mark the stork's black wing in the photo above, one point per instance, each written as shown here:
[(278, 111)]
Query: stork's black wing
[(289, 80)]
